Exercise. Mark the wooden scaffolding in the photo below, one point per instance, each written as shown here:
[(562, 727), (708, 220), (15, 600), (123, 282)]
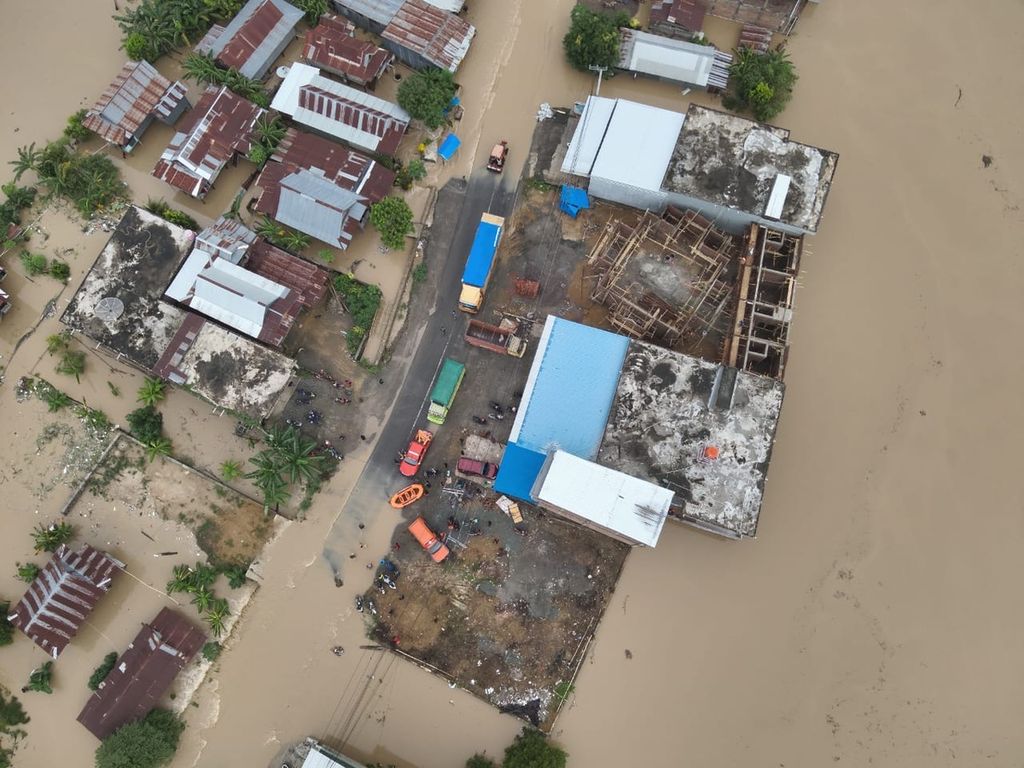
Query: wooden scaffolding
[(759, 341), (634, 309)]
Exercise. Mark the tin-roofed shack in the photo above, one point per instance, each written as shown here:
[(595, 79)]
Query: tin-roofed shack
[(740, 171), (676, 18), (142, 673), (61, 598), (372, 15), (137, 96), (702, 430), (333, 47), (424, 36), (254, 38)]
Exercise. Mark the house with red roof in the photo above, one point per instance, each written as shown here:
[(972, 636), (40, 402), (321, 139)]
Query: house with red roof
[(254, 38), (333, 47)]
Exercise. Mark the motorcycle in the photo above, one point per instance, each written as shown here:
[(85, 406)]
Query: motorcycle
[(496, 416), (359, 603), (386, 581), (373, 608), (313, 417), (337, 650), (293, 423), (479, 419), (497, 407), (342, 400)]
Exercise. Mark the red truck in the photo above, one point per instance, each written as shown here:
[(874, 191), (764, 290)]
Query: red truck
[(428, 540), (414, 454), (485, 469), (495, 338)]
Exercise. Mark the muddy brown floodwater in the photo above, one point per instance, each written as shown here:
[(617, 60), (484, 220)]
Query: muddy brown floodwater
[(875, 619)]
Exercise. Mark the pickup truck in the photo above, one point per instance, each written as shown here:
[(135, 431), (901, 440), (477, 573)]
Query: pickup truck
[(428, 540), (414, 454), (485, 469), (495, 338)]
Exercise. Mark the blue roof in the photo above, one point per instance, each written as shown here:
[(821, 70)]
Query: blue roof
[(570, 390), (448, 146), (519, 468), (485, 244)]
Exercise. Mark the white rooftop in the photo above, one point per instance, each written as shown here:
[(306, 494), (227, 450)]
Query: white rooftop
[(319, 757), (666, 58), (633, 508)]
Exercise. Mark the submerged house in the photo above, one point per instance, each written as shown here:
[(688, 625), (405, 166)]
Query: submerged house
[(137, 96), (61, 598), (340, 111), (219, 130), (218, 281), (254, 38), (677, 18), (333, 47), (320, 187), (142, 674)]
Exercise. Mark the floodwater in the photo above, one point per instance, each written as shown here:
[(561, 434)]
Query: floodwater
[(874, 620)]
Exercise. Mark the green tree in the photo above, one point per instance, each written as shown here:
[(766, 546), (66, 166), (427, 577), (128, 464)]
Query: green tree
[(159, 447), (75, 128), (230, 470), (28, 572), (147, 743), (46, 538), (152, 391), (146, 423), (211, 651), (72, 363), (201, 67), (40, 679), (416, 169), (28, 160), (57, 342), (19, 197), (59, 270), (532, 749), (6, 628), (258, 155), (426, 95), (136, 47), (480, 761), (593, 38), (392, 217), (100, 673), (314, 9), (34, 263), (761, 83), (181, 579), (202, 598), (217, 616)]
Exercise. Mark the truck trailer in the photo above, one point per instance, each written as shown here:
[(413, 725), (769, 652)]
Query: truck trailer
[(504, 341), (480, 262)]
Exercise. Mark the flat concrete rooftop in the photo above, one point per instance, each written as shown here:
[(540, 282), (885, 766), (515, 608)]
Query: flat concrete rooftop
[(733, 162), (669, 408)]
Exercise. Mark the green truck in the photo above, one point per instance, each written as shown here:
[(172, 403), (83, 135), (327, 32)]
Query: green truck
[(445, 388)]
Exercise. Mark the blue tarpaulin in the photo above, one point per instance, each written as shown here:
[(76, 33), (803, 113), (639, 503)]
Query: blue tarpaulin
[(573, 200), (448, 147)]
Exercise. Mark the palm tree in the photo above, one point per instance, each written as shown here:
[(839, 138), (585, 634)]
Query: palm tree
[(203, 575), (202, 598), (217, 616), (47, 538), (72, 364), (201, 68), (152, 391), (270, 131), (28, 159), (297, 460), (275, 492), (181, 579), (159, 447), (56, 342), (40, 679), (55, 399)]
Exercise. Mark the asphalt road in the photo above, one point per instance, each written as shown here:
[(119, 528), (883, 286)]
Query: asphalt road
[(418, 356)]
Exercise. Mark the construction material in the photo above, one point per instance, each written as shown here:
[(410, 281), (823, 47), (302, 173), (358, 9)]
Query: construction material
[(503, 340)]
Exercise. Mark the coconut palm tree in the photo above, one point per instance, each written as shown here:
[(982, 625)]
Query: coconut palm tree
[(201, 68), (267, 470), (152, 391), (217, 615), (28, 159), (297, 459), (159, 447), (47, 538), (203, 575), (72, 363), (40, 680), (202, 599), (181, 579), (275, 492)]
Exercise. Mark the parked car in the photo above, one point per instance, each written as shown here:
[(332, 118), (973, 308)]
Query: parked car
[(483, 469), (428, 539), (414, 454)]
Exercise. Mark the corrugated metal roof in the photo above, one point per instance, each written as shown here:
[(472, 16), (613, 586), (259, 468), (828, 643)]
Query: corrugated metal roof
[(61, 598), (442, 38), (227, 238), (136, 93), (665, 58), (634, 509), (307, 282), (632, 126), (220, 125), (321, 757), (317, 207), (452, 6), (142, 673), (251, 40), (380, 11), (332, 46), (687, 14), (340, 110), (586, 139)]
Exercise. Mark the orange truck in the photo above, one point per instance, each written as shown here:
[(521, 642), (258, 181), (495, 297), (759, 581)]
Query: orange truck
[(428, 540)]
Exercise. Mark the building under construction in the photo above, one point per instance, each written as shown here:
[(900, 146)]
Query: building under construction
[(679, 281)]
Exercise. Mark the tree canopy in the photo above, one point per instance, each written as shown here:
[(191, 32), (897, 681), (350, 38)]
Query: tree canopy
[(761, 83), (393, 219), (531, 749), (593, 38), (426, 95), (147, 743), (147, 423)]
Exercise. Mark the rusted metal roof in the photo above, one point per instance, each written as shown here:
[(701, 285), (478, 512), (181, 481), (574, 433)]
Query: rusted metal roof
[(685, 14), (320, 187), (142, 673), (442, 38), (332, 46), (255, 36), (137, 93), (60, 599), (307, 281), (220, 126)]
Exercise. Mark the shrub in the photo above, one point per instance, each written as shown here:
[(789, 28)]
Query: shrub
[(40, 679), (75, 128), (135, 46), (281, 236), (480, 761), (593, 38), (28, 572), (392, 217), (258, 155), (147, 743), (419, 272), (761, 83), (100, 673), (34, 263), (46, 538), (6, 628), (211, 651), (362, 301), (426, 95), (91, 182), (230, 470), (531, 749), (18, 197), (416, 169), (152, 391), (146, 423), (59, 270), (236, 574)]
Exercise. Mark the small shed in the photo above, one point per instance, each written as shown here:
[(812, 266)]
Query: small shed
[(371, 15), (423, 36)]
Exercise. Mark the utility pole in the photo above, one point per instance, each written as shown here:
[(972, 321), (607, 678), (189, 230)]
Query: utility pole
[(600, 73)]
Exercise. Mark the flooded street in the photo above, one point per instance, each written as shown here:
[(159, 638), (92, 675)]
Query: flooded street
[(872, 619)]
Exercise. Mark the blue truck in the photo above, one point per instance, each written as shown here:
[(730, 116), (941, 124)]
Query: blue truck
[(480, 262)]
